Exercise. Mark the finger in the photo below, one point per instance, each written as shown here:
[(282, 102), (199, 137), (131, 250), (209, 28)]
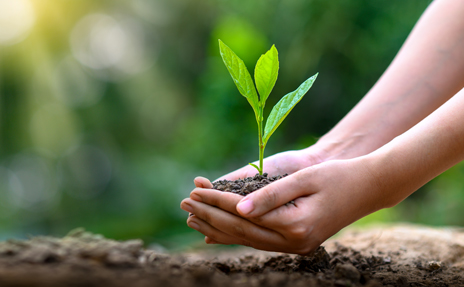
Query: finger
[(216, 236), (274, 195), (210, 241), (202, 182), (288, 216), (228, 201), (231, 224), (224, 200), (212, 235)]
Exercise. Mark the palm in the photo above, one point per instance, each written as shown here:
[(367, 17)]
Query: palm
[(282, 163)]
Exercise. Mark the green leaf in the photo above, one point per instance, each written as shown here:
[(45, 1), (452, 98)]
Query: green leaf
[(266, 71), (284, 106), (255, 166), (241, 77)]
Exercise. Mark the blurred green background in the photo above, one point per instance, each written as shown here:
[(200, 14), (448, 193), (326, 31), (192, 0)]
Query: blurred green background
[(109, 109)]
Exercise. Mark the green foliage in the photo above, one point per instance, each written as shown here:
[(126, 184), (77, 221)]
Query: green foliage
[(284, 106), (241, 77), (266, 72)]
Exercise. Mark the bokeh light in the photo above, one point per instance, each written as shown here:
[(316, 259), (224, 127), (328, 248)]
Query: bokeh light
[(110, 46), (16, 20), (75, 87), (55, 128), (31, 183), (85, 171)]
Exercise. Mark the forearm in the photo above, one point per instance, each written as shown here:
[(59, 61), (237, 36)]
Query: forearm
[(420, 154), (427, 71)]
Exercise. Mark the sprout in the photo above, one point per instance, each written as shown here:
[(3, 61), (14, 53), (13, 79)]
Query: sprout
[(266, 72)]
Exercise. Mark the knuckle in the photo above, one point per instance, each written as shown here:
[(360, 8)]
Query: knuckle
[(299, 233)]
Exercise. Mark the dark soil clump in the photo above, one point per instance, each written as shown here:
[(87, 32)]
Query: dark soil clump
[(247, 185)]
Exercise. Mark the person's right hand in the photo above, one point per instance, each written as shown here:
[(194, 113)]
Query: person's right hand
[(287, 162)]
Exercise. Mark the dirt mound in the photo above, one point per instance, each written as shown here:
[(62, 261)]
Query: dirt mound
[(420, 255), (395, 256)]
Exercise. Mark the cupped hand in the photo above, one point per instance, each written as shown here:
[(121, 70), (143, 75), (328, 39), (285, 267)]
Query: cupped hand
[(282, 163), (327, 197)]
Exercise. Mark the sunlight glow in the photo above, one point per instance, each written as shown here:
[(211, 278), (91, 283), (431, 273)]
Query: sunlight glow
[(16, 19)]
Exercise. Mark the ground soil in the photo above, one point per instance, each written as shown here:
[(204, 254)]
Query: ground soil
[(402, 255), (388, 256)]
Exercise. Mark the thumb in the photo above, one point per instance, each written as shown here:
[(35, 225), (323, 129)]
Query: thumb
[(272, 196)]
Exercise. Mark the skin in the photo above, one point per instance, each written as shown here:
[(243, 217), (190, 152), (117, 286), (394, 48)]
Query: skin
[(407, 130)]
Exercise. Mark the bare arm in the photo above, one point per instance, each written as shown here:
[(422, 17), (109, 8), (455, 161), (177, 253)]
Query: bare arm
[(428, 70), (426, 150), (333, 194), (402, 134)]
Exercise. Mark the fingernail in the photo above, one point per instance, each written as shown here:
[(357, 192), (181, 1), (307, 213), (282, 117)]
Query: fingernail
[(245, 207), (194, 225), (187, 207)]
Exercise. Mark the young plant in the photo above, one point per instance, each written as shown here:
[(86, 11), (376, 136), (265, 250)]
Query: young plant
[(266, 71)]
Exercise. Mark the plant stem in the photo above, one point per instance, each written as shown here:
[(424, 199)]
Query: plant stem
[(261, 156), (261, 145)]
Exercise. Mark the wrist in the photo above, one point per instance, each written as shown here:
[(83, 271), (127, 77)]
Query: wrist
[(393, 174), (312, 155), (332, 147), (365, 184)]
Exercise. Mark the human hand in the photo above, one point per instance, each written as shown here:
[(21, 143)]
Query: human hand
[(327, 197), (282, 163)]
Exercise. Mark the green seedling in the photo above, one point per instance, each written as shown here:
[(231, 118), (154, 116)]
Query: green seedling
[(266, 71)]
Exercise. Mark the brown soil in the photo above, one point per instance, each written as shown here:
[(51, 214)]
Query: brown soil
[(394, 256), (398, 256), (246, 185)]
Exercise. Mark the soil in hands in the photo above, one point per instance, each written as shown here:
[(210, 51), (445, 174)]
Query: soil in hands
[(247, 185)]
